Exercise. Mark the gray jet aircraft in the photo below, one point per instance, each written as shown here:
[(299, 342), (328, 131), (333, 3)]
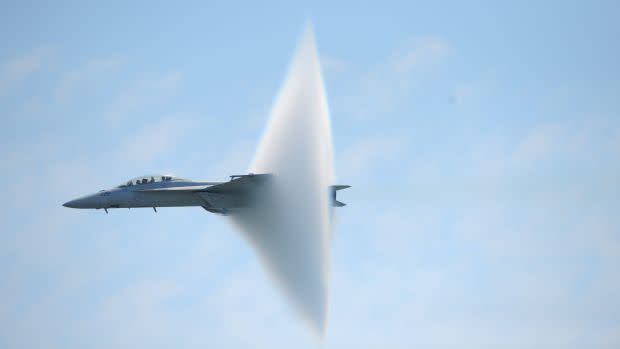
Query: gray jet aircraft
[(169, 191)]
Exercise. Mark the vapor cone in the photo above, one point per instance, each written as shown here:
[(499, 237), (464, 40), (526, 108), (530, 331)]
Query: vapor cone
[(290, 226)]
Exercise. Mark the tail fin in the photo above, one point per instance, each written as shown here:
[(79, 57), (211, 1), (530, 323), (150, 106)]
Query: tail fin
[(334, 189)]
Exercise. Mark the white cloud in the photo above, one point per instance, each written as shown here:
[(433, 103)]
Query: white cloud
[(333, 64), (540, 143), (421, 53), (237, 160), (138, 313), (18, 69), (143, 93), (543, 147), (382, 88), (481, 87), (94, 68), (368, 154), (153, 140)]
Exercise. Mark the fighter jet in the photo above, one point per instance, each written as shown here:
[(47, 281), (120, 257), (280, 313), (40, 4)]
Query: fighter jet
[(223, 198), (283, 207)]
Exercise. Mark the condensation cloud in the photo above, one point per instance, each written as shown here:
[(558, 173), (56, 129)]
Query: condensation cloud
[(290, 225)]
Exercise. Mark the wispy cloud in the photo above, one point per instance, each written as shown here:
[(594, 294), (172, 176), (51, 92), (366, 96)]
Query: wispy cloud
[(539, 143), (369, 154), (153, 140), (382, 88), (552, 161), (478, 88), (146, 302), (18, 69), (333, 64), (143, 93), (420, 53), (237, 159), (95, 67)]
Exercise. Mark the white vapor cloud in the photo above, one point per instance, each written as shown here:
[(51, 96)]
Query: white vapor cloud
[(290, 225)]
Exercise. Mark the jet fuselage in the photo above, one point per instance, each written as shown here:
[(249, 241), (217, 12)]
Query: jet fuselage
[(167, 191), (146, 191)]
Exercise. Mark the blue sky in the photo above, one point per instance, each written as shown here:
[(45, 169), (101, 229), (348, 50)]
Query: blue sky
[(482, 141)]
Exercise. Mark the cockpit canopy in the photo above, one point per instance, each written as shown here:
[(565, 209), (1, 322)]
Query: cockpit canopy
[(149, 179)]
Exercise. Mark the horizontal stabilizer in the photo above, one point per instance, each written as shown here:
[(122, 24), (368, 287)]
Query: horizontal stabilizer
[(334, 189)]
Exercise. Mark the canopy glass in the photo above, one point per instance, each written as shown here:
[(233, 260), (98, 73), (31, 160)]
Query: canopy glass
[(149, 179)]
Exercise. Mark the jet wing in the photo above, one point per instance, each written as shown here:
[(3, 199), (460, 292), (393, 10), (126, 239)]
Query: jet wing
[(236, 193), (241, 184)]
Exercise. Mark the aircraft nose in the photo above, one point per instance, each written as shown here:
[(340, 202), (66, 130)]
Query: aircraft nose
[(84, 202), (77, 203)]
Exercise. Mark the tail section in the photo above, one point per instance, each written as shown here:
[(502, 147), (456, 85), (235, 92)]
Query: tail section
[(333, 189)]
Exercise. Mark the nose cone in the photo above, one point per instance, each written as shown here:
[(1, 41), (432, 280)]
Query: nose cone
[(90, 201), (72, 203)]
